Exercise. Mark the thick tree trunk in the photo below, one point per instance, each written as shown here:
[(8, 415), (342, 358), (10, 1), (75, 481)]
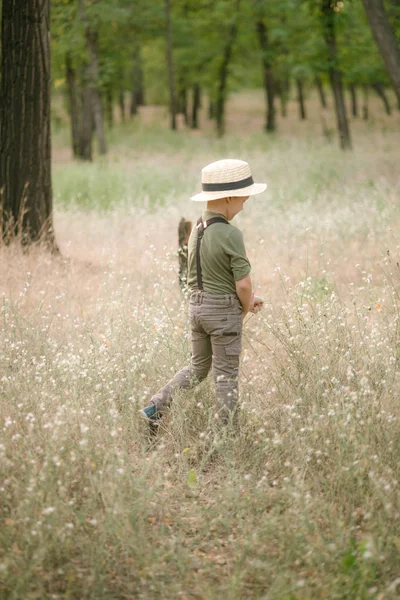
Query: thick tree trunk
[(321, 92), (74, 108), (223, 74), (170, 65), (386, 41), (300, 99), (354, 103), (328, 23), (196, 106), (269, 87), (380, 90), (25, 146), (121, 102), (365, 110)]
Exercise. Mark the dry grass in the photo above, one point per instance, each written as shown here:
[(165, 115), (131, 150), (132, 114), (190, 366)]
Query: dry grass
[(301, 501)]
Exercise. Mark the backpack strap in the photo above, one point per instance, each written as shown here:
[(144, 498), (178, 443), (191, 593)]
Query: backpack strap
[(201, 226)]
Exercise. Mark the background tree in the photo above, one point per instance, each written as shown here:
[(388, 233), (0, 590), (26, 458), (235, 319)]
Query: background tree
[(287, 48), (386, 41), (170, 64), (329, 33), (25, 147)]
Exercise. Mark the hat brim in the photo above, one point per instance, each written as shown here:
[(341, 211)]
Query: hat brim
[(251, 190)]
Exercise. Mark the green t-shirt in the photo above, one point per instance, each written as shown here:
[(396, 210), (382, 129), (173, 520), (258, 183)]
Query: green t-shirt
[(223, 257)]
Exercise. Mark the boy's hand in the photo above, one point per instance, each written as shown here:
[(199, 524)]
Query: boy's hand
[(256, 304)]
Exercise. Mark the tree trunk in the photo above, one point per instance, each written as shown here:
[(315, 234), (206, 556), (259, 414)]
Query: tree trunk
[(170, 65), (354, 103), (365, 110), (270, 124), (300, 99), (283, 88), (380, 90), (121, 102), (321, 92), (386, 41), (109, 106), (183, 104), (25, 143), (93, 71), (137, 96), (86, 125), (74, 108), (196, 106), (223, 74), (211, 109), (328, 22)]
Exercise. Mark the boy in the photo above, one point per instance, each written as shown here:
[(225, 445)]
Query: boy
[(221, 290)]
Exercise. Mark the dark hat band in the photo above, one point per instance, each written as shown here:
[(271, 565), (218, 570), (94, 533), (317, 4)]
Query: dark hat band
[(229, 185)]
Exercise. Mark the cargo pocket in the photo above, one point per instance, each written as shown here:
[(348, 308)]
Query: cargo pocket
[(233, 347)]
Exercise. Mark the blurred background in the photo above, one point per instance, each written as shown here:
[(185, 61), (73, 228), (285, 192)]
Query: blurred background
[(227, 66)]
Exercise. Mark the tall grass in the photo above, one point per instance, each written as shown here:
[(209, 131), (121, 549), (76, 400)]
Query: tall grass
[(299, 500)]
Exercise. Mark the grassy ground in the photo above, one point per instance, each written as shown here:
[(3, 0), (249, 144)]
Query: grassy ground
[(301, 501)]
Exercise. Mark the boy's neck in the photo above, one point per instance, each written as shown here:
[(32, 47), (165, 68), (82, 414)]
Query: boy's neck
[(218, 206)]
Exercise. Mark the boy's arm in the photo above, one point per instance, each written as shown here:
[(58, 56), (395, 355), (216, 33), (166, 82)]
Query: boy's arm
[(244, 291)]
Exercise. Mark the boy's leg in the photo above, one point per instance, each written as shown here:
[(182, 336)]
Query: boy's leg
[(226, 355), (191, 375)]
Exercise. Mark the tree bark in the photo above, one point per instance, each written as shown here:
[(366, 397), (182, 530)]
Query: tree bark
[(195, 106), (269, 87), (380, 90), (354, 103), (25, 143), (74, 108), (223, 74), (300, 99), (328, 23), (170, 65), (386, 41), (321, 92)]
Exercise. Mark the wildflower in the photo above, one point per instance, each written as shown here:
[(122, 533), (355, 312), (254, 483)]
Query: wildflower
[(48, 511)]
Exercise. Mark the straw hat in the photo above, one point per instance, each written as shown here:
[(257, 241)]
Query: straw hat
[(226, 178)]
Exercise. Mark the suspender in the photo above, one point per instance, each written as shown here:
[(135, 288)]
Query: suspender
[(201, 226)]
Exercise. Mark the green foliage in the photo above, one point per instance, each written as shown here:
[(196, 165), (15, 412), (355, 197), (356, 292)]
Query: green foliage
[(296, 47)]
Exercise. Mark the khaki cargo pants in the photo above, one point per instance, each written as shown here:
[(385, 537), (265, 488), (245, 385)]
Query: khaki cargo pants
[(216, 336)]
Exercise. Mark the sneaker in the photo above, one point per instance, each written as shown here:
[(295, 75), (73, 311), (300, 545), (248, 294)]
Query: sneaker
[(150, 413)]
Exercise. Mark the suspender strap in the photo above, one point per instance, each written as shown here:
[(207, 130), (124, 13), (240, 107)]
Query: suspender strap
[(200, 232)]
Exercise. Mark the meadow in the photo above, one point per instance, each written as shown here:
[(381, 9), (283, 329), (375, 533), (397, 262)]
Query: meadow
[(298, 501)]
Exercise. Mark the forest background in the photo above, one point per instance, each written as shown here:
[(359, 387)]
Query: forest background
[(301, 500)]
